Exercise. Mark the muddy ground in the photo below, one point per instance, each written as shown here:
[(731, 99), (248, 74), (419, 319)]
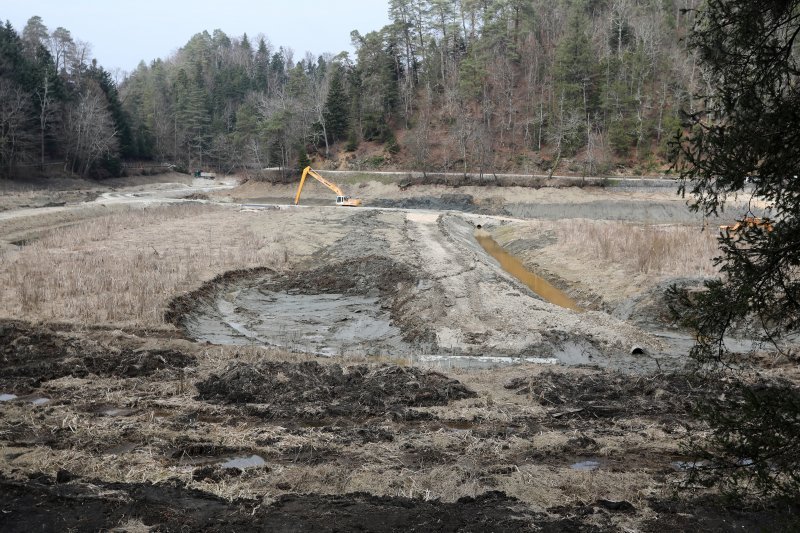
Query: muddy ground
[(327, 391), (186, 437)]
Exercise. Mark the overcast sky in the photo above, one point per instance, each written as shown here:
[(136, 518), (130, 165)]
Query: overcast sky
[(123, 33)]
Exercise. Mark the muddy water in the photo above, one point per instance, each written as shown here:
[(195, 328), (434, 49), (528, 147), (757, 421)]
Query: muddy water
[(514, 266), (586, 465), (243, 462)]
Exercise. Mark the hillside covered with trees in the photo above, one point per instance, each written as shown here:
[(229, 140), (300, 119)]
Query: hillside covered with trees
[(58, 107), (464, 86)]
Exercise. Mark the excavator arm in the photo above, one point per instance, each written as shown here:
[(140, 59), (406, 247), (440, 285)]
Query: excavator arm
[(341, 199)]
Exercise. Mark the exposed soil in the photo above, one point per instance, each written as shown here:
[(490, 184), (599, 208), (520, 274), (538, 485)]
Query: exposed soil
[(311, 390), (610, 394), (455, 202), (66, 503), (95, 505), (31, 355), (632, 210)]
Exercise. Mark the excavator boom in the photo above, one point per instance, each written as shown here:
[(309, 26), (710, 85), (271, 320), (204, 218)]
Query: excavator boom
[(341, 199)]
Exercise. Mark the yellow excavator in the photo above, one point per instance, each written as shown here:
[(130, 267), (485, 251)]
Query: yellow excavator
[(341, 199), (764, 224)]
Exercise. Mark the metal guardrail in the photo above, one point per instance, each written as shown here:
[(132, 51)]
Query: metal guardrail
[(30, 165), (156, 165)]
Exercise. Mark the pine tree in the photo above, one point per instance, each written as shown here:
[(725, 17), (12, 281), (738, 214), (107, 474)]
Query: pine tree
[(302, 158), (337, 106), (261, 66)]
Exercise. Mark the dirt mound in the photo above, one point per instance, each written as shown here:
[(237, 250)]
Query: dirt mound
[(314, 390), (650, 310), (364, 276), (103, 506), (716, 513), (30, 355), (172, 507), (491, 511), (197, 196), (609, 394)]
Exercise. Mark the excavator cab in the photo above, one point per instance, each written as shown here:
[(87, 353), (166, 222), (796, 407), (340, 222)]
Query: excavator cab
[(347, 201)]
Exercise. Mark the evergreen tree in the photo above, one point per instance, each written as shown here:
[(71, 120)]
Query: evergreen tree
[(127, 145), (575, 78), (302, 157), (261, 67), (34, 36), (377, 76), (748, 132), (337, 106), (192, 118)]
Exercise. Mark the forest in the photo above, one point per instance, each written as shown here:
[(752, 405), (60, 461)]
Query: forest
[(583, 86)]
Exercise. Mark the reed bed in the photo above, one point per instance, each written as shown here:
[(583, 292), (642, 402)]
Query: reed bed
[(125, 267), (660, 250)]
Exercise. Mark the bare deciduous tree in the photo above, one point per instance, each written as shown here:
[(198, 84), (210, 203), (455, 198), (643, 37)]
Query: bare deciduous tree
[(61, 48), (14, 121), (89, 132), (420, 137)]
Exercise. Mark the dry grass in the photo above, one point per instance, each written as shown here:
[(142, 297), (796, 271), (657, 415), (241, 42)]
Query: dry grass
[(546, 486), (420, 461), (654, 250), (123, 268)]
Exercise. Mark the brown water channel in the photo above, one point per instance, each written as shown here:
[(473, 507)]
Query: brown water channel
[(514, 266)]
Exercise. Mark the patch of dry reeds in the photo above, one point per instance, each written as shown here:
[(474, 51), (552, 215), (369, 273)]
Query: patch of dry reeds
[(655, 250), (125, 267)]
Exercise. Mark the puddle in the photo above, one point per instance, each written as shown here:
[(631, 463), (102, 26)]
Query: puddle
[(243, 462), (40, 401), (122, 448), (459, 425), (7, 397), (210, 454), (684, 466), (514, 266), (115, 411), (314, 423), (586, 466)]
